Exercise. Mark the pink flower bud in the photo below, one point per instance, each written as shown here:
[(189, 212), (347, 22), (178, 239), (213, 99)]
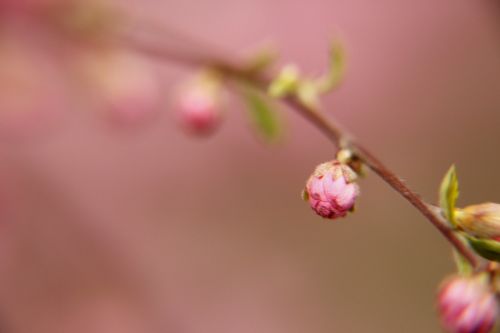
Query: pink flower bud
[(467, 305), (199, 106), (331, 190)]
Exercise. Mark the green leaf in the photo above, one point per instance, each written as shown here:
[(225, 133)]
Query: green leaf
[(262, 114), (463, 265), (448, 194), (486, 248), (337, 68)]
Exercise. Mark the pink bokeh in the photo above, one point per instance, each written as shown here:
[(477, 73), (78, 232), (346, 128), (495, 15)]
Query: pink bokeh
[(112, 230)]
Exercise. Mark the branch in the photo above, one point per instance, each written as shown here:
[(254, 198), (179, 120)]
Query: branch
[(327, 126)]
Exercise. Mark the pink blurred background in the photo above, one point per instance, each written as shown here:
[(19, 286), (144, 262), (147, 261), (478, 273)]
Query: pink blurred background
[(150, 230)]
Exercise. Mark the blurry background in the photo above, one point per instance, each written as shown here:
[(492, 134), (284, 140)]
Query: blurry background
[(149, 230)]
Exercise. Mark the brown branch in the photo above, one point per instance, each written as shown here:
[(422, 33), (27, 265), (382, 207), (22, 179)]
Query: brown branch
[(337, 135)]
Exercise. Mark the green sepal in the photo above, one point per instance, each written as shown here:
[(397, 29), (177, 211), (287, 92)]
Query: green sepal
[(448, 194), (305, 195), (486, 248)]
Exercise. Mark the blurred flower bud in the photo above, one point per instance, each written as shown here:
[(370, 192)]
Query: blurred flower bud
[(331, 190), (286, 83), (200, 106), (467, 305), (482, 221), (125, 84)]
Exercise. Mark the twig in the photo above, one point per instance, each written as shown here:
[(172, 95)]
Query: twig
[(329, 127)]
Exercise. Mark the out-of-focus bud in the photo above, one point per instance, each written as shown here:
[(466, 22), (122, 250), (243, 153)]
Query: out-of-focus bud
[(125, 84), (482, 221), (200, 105), (286, 83), (467, 305), (331, 190)]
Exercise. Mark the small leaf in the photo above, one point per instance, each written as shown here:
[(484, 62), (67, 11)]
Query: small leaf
[(448, 194), (463, 265), (486, 248), (337, 68), (262, 114)]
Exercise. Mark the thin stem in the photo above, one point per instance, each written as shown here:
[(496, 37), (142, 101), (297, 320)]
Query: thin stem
[(329, 127), (424, 208)]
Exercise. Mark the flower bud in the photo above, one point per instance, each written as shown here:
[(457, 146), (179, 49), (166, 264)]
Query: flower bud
[(200, 107), (482, 221), (125, 84), (331, 190), (467, 305)]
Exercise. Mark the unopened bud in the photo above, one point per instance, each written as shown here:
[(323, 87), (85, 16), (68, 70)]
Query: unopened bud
[(482, 221), (200, 107), (125, 83), (467, 305), (331, 190)]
